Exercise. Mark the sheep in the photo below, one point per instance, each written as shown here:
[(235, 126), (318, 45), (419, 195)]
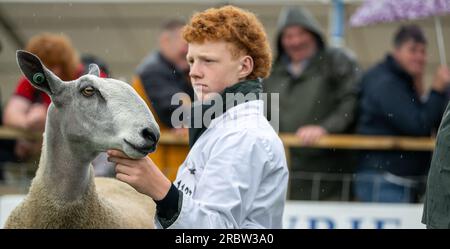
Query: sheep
[(87, 116)]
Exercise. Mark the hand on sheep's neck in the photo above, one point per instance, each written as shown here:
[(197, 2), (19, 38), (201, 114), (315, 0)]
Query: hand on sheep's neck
[(64, 166)]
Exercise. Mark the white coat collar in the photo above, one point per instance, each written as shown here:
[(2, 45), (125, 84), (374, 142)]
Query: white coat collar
[(254, 107)]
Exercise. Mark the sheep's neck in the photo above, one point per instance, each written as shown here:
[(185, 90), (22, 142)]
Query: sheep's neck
[(64, 167)]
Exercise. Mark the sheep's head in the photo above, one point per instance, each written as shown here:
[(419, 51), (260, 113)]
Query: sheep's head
[(95, 113)]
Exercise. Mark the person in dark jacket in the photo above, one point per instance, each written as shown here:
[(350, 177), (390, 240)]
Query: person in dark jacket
[(436, 211), (164, 72), (392, 103), (317, 96)]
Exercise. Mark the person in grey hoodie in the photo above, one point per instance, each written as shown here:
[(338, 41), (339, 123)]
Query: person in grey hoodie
[(318, 96)]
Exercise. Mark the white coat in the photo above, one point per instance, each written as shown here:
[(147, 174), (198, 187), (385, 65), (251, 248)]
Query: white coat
[(235, 175)]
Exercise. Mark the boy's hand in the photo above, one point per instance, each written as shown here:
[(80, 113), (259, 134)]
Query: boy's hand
[(142, 174)]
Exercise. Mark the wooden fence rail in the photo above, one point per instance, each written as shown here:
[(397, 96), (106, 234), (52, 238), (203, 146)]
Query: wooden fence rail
[(290, 140)]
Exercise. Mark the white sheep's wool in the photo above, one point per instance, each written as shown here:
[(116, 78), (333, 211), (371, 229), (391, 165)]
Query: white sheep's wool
[(87, 116)]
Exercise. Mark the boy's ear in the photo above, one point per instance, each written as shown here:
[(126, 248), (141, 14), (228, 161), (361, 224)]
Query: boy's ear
[(38, 75), (246, 66)]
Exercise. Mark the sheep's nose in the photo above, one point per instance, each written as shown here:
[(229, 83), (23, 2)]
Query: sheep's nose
[(150, 136)]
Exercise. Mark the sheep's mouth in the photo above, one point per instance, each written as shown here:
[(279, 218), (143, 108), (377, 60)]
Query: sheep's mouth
[(144, 150)]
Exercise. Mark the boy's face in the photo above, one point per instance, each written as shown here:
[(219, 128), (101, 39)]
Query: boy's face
[(212, 67)]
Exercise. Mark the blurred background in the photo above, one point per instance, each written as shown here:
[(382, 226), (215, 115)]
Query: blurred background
[(122, 33)]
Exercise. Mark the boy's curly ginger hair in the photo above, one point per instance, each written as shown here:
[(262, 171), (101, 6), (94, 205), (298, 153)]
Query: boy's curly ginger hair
[(238, 27)]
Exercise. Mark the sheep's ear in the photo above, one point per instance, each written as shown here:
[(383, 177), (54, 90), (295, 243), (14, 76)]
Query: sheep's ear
[(38, 75), (94, 69)]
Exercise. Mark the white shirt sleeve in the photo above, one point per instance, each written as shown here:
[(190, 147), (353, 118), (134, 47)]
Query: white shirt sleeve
[(237, 173)]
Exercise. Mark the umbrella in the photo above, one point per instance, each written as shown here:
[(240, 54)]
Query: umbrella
[(377, 11)]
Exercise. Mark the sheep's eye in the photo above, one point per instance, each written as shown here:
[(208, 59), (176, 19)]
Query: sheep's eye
[(88, 91)]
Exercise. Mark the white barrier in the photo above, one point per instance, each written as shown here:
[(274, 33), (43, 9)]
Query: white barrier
[(306, 214), (7, 204), (351, 215)]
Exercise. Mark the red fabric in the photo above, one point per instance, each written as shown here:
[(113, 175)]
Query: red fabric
[(26, 90), (103, 75)]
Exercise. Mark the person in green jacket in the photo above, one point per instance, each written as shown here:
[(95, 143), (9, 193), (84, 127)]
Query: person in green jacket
[(318, 96), (436, 210)]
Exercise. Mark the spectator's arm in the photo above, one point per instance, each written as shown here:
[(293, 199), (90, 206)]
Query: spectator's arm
[(15, 113), (408, 116), (345, 73)]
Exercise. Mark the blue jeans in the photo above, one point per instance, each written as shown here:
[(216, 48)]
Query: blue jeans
[(372, 186)]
